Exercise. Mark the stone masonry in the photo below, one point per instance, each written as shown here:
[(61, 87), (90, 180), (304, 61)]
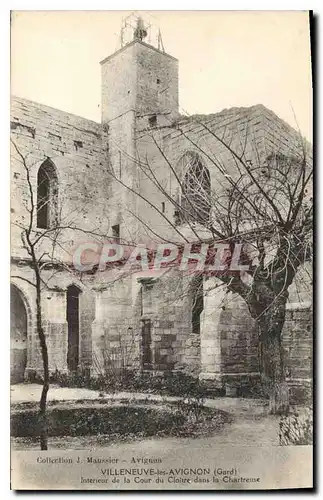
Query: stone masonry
[(140, 322)]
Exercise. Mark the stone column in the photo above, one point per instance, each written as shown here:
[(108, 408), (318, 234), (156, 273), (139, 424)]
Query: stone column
[(87, 316), (55, 324), (210, 333), (98, 335)]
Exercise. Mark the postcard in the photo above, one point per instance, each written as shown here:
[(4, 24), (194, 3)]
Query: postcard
[(161, 250)]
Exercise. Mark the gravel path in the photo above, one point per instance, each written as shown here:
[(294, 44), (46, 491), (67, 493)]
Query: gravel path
[(249, 443)]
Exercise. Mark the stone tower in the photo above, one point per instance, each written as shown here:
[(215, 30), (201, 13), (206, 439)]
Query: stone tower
[(139, 78), (139, 90)]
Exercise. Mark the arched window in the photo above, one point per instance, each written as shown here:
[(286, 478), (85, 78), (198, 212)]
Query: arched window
[(196, 190), (47, 190)]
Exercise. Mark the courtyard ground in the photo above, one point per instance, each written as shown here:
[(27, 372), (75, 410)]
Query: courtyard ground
[(251, 423), (250, 443)]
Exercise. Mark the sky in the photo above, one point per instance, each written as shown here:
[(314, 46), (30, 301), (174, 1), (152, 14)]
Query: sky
[(226, 59)]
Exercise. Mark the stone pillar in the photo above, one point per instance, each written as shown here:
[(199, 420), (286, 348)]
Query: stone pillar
[(87, 316), (55, 325), (98, 335), (32, 336), (210, 332)]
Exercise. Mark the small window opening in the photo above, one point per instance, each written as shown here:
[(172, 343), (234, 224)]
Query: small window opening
[(78, 144), (163, 207), (116, 231), (153, 120), (158, 80)]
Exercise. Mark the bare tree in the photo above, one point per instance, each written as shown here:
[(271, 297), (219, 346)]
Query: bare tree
[(46, 249), (263, 203)]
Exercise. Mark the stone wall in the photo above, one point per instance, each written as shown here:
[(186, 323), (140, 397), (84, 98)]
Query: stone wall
[(166, 303), (114, 331), (139, 77), (77, 147), (239, 343), (53, 302), (298, 347), (157, 82), (244, 129), (111, 317), (229, 340)]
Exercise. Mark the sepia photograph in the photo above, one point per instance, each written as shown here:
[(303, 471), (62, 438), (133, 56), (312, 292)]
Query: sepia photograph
[(161, 281)]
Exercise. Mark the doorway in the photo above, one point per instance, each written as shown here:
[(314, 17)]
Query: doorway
[(73, 327), (18, 333)]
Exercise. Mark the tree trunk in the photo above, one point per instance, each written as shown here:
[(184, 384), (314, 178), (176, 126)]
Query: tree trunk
[(272, 358), (273, 377), (43, 346)]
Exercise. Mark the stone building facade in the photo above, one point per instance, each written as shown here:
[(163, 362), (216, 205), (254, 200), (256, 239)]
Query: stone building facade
[(88, 176)]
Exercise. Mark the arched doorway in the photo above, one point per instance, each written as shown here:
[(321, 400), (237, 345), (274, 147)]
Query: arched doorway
[(73, 325), (18, 333)]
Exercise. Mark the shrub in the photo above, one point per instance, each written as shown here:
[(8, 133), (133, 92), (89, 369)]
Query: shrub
[(171, 384), (191, 408), (296, 429)]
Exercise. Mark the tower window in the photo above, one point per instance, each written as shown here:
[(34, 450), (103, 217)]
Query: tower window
[(158, 81), (47, 191), (116, 231), (153, 120), (163, 207), (78, 145)]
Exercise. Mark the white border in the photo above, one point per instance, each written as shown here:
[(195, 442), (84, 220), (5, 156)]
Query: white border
[(4, 184)]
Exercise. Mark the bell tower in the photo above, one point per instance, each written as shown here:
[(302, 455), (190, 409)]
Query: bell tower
[(139, 90), (140, 77)]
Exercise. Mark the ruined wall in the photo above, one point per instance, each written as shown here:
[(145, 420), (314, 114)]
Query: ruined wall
[(111, 318), (239, 343), (239, 349), (229, 339), (123, 310), (114, 335), (166, 303), (54, 310), (298, 347), (244, 129), (77, 148)]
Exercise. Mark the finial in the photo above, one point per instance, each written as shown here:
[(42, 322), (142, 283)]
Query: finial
[(140, 32)]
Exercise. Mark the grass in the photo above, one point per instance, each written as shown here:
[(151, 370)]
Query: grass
[(116, 422)]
